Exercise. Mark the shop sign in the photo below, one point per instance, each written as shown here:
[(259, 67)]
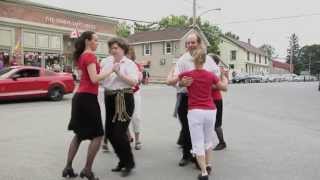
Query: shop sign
[(70, 23)]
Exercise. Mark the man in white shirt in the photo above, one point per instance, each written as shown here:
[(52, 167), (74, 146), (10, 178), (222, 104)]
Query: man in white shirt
[(185, 63)]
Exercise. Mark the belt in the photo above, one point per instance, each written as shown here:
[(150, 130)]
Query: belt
[(120, 110)]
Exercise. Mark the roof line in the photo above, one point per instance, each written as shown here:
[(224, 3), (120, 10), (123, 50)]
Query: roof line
[(109, 18), (235, 42)]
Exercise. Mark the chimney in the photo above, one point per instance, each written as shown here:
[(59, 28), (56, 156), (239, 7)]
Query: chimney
[(249, 41)]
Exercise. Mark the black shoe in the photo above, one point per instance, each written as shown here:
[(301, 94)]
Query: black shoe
[(209, 169), (200, 177), (127, 171), (88, 174), (118, 168), (184, 162), (68, 172), (220, 146), (105, 147)]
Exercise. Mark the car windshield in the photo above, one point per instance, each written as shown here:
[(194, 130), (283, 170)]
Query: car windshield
[(5, 71)]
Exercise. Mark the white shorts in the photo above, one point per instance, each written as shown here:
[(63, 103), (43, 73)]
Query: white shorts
[(201, 125), (136, 117)]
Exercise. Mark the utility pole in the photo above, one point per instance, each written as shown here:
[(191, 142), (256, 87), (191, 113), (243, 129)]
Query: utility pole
[(310, 65), (194, 13)]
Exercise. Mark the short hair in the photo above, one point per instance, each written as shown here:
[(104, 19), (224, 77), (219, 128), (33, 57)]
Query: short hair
[(131, 53), (199, 56), (122, 43)]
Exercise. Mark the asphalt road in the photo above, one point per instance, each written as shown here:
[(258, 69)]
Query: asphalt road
[(272, 132)]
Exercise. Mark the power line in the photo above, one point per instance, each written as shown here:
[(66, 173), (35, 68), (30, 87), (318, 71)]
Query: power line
[(269, 19)]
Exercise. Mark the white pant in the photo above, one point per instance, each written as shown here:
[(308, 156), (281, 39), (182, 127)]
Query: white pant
[(136, 117), (201, 125)]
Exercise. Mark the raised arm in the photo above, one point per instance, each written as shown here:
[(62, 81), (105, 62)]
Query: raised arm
[(131, 78)]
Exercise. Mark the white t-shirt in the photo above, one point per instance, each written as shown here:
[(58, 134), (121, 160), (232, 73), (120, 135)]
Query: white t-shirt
[(127, 67), (185, 63)]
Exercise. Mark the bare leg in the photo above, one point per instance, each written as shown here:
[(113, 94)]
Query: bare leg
[(73, 149), (202, 163), (208, 156), (92, 152)]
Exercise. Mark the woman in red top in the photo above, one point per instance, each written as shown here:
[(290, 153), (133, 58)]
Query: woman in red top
[(217, 99), (85, 114), (201, 110)]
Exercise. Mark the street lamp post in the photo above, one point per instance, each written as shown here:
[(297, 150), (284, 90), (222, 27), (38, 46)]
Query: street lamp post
[(201, 14)]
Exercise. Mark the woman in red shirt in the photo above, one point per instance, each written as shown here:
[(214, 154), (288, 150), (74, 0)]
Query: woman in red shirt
[(85, 114), (201, 110), (217, 99)]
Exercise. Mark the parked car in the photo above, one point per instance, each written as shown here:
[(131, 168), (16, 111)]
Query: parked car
[(20, 82), (254, 78), (241, 78)]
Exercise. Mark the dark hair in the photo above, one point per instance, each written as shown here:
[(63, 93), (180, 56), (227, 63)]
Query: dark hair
[(215, 57), (131, 53), (80, 44), (121, 43)]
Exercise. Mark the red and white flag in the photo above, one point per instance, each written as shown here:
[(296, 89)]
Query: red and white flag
[(75, 33)]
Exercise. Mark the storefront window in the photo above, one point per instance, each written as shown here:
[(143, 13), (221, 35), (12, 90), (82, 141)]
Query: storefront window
[(32, 59), (4, 57)]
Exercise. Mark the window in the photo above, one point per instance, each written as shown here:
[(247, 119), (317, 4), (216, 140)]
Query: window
[(233, 55), (147, 49), (28, 73), (231, 66), (265, 60), (248, 56), (43, 41), (169, 47), (255, 57), (260, 59), (5, 70)]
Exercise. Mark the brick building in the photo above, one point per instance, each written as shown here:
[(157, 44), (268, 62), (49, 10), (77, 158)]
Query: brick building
[(39, 35)]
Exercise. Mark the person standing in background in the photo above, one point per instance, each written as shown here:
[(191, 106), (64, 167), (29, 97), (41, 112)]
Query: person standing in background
[(217, 99), (136, 118)]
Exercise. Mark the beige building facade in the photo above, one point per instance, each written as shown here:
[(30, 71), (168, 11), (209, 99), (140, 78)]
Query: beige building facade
[(159, 50), (243, 57)]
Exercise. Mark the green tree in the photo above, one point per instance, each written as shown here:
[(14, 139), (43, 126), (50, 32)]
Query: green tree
[(123, 30), (232, 35), (213, 35), (144, 27), (270, 50), (211, 32), (293, 52), (174, 21), (310, 58)]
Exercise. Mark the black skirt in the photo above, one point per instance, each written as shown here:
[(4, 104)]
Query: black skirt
[(86, 116)]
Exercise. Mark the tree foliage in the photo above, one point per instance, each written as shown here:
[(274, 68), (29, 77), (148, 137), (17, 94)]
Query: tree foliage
[(293, 54), (123, 30), (270, 50), (232, 35), (310, 57)]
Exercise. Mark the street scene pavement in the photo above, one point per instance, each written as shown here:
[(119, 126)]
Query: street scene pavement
[(272, 132)]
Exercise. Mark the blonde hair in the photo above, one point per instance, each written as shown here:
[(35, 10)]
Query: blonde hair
[(199, 56)]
